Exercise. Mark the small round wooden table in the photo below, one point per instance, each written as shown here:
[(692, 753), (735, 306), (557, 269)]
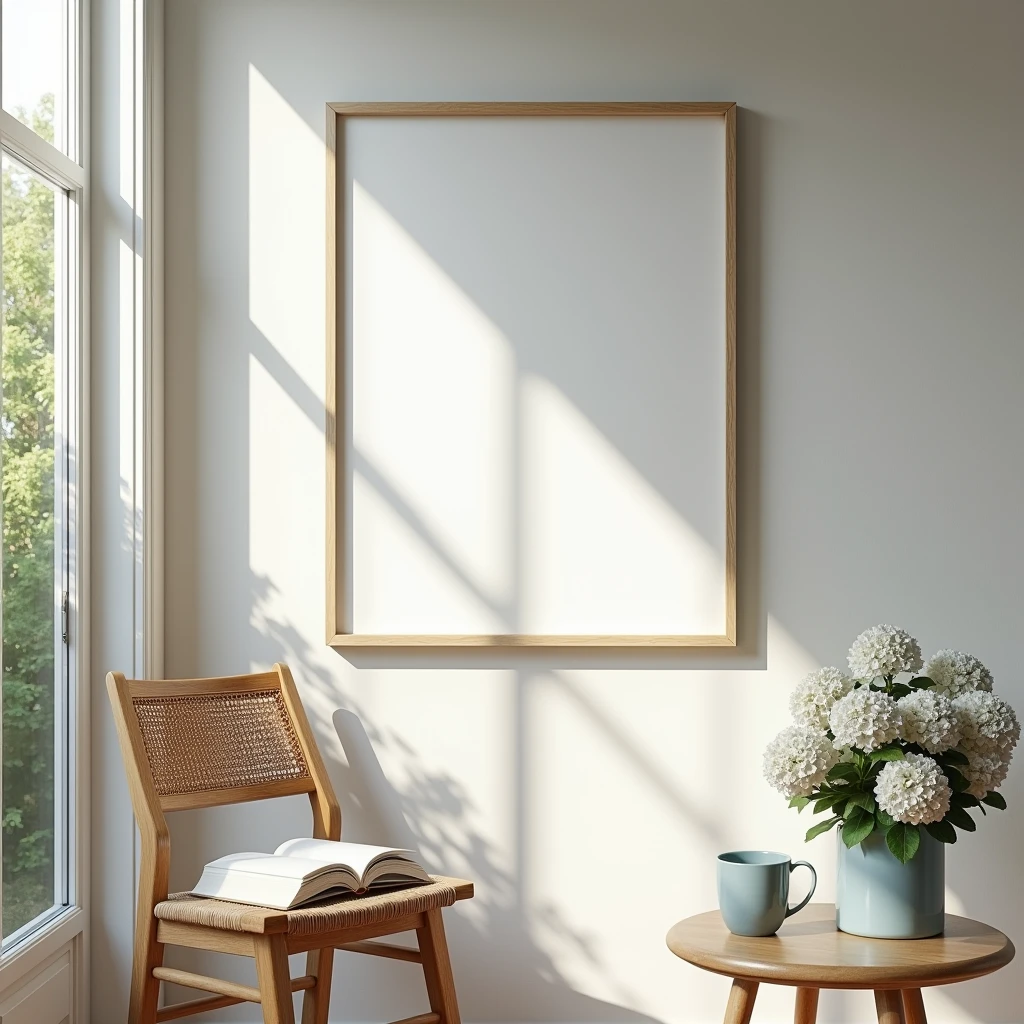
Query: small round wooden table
[(809, 953)]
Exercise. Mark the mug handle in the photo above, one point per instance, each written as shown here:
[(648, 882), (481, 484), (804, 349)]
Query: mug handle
[(814, 884)]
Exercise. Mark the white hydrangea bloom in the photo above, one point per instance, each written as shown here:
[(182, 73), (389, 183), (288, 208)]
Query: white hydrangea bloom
[(866, 719), (884, 651), (798, 759), (813, 697), (988, 723), (956, 673), (986, 772), (913, 790), (930, 720)]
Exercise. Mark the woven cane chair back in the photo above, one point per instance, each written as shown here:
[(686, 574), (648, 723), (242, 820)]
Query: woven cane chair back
[(208, 742)]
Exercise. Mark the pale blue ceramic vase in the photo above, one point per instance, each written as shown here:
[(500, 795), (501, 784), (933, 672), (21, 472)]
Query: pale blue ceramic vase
[(879, 897)]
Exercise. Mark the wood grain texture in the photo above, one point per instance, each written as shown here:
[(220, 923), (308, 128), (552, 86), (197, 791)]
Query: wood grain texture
[(193, 1006), (913, 1007), (155, 862), (336, 613), (206, 984), (889, 1006), (809, 952), (806, 1011), (316, 1003), (265, 936), (275, 984), (659, 109), (393, 640), (172, 933), (333, 288), (323, 802), (205, 1005), (137, 688), (385, 949), (437, 968), (730, 374), (741, 1001)]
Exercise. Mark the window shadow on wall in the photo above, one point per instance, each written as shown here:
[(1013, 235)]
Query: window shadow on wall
[(497, 946)]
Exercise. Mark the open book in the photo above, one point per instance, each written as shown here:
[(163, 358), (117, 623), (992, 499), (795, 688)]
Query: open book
[(305, 869)]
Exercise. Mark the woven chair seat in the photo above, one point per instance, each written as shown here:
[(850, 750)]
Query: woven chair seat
[(333, 914)]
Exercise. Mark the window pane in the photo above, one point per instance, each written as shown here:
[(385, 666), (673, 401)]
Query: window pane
[(34, 65), (31, 672)]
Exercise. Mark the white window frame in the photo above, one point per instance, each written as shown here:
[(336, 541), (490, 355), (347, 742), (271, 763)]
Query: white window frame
[(24, 950)]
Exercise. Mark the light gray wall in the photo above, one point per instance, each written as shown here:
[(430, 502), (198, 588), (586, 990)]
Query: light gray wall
[(881, 350)]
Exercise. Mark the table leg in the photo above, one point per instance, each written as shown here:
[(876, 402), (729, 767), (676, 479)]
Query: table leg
[(913, 1006), (806, 1006), (741, 1001), (889, 1004)]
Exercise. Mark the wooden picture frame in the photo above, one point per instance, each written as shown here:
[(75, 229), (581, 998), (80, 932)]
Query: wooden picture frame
[(338, 546)]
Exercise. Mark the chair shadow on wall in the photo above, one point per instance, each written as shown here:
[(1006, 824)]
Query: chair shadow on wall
[(497, 959), (432, 815)]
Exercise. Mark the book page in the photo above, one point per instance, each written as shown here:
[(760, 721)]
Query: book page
[(298, 868), (356, 856)]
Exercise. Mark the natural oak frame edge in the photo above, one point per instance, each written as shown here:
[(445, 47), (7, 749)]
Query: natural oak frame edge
[(336, 112)]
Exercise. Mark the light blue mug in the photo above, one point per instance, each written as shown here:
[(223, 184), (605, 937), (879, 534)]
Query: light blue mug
[(753, 890)]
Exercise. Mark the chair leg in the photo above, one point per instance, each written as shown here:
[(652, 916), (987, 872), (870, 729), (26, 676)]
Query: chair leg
[(274, 980), (316, 1003), (145, 990), (437, 968)]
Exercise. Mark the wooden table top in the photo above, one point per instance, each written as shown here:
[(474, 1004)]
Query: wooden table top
[(810, 951)]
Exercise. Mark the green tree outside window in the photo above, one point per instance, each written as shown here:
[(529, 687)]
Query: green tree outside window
[(27, 459)]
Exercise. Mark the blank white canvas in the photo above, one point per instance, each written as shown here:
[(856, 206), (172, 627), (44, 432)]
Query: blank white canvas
[(535, 392)]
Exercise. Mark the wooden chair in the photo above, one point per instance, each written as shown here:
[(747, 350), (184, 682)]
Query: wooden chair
[(210, 742)]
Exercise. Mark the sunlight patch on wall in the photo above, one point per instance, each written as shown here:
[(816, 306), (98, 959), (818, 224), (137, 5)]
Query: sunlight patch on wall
[(564, 535), (432, 415), (126, 263), (126, 104), (286, 231), (446, 792), (402, 584), (285, 581), (638, 774), (606, 553)]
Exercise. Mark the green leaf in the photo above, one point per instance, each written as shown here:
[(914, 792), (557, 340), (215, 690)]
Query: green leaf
[(953, 757), (885, 819), (799, 802), (820, 828), (898, 690), (959, 817), (865, 801), (921, 682), (941, 830), (995, 800), (956, 780), (891, 753), (823, 803), (858, 826), (903, 841), (843, 770), (966, 800)]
